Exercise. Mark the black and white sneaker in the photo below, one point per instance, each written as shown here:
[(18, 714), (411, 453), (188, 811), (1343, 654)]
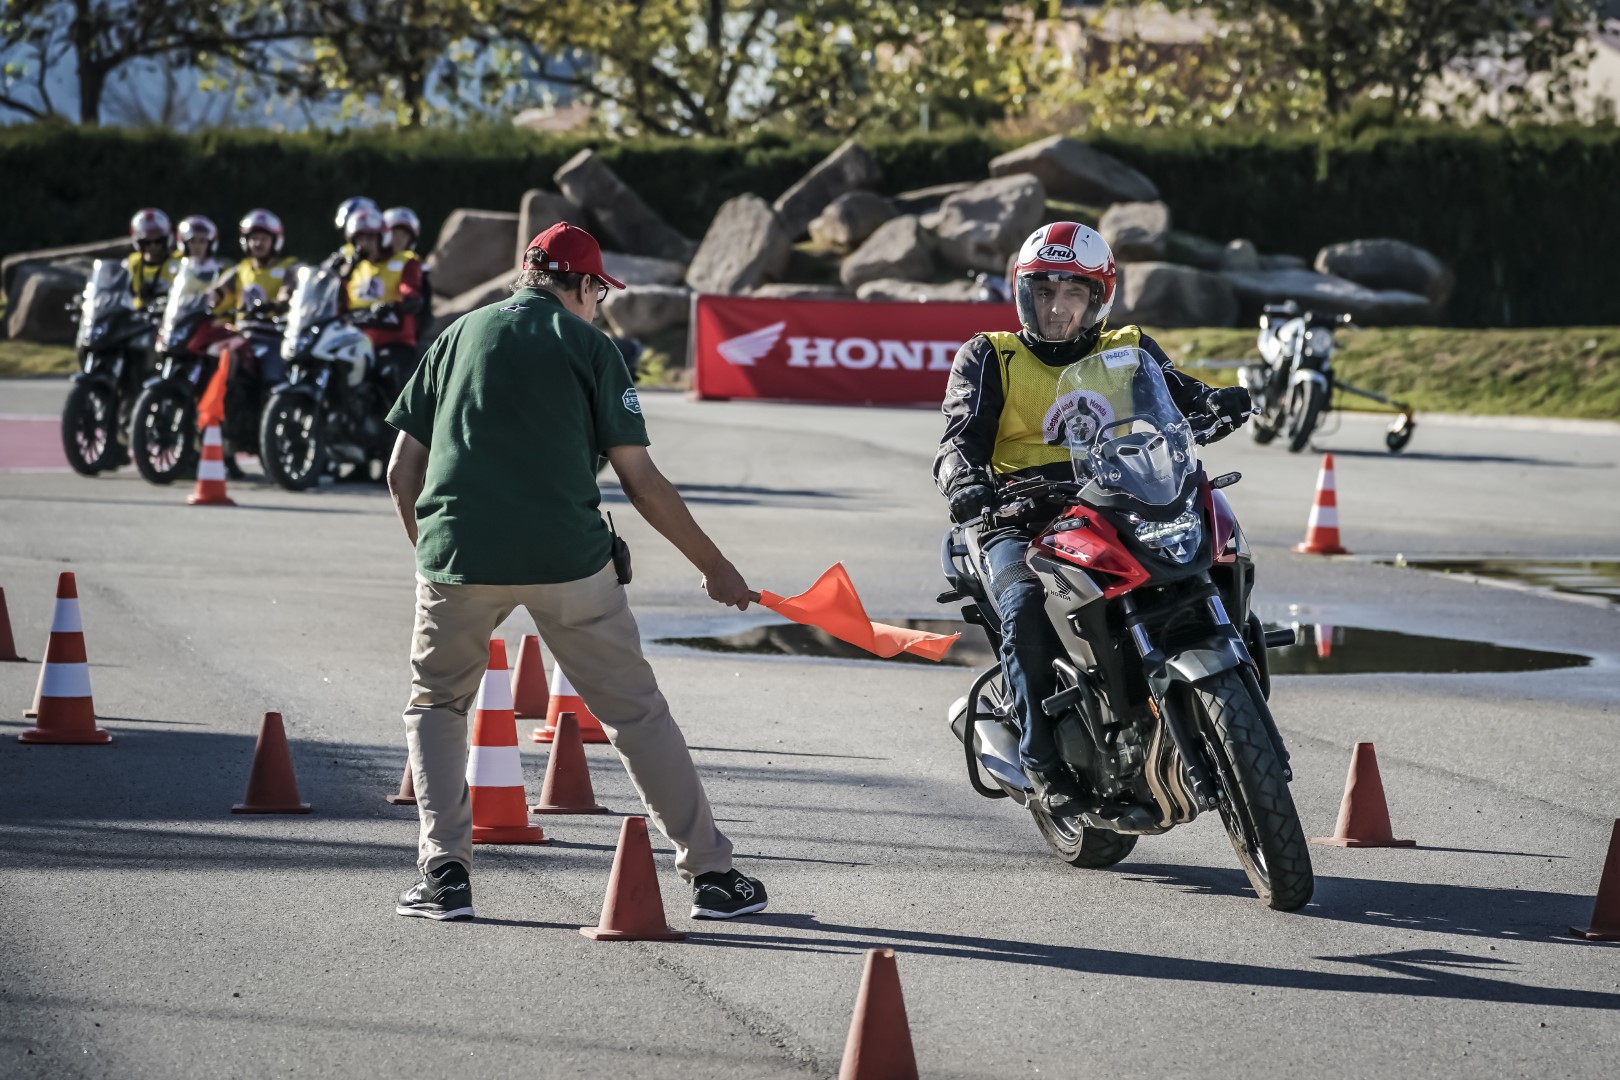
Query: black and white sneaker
[(717, 895), (444, 893)]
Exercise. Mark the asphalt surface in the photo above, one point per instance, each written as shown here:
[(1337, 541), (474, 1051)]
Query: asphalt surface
[(150, 933)]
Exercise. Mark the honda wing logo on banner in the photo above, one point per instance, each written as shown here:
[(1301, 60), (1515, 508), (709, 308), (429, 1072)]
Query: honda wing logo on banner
[(838, 352)]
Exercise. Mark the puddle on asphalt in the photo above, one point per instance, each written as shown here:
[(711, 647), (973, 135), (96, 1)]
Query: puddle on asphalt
[(1580, 577), (1321, 650)]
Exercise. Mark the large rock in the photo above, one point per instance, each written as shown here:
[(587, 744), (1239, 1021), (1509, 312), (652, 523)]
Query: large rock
[(978, 228), (643, 269), (1283, 262), (1165, 295), (922, 200), (959, 290), (849, 219), (538, 211), (746, 245), (116, 248), (647, 309), (1072, 170), (1240, 255), (900, 248), (1191, 250), (39, 311), (845, 169), (627, 223), (1137, 231), (1325, 293), (1389, 264), (474, 246), (796, 290)]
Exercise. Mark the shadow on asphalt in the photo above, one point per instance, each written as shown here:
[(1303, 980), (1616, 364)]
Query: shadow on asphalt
[(744, 495), (165, 505), (784, 753), (1460, 459)]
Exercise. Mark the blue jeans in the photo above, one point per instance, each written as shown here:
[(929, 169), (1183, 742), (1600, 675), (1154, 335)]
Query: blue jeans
[(1028, 643)]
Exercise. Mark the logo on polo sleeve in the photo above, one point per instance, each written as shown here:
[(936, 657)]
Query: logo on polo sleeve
[(631, 402)]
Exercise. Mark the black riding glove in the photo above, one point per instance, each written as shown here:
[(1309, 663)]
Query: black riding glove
[(971, 500), (1230, 406)]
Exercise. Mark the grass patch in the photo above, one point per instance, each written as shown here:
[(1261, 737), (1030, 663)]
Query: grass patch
[(30, 358), (1551, 372)]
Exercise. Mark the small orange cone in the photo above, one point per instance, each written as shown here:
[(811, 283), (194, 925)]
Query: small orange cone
[(62, 704), (272, 786), (529, 695), (1606, 909), (567, 789), (879, 1043), (1363, 815), (1322, 530), (633, 909), (564, 698), (8, 644), (407, 788), (210, 489), (494, 770)]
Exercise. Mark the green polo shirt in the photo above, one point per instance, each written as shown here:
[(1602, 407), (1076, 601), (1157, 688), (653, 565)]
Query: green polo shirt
[(515, 401)]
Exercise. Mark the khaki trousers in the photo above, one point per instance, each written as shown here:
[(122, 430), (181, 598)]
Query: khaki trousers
[(588, 627)]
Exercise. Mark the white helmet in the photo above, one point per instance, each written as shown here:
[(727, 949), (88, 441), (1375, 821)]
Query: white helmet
[(197, 227), (365, 220), (1064, 251), (403, 217), (150, 224), (260, 221), (349, 206)]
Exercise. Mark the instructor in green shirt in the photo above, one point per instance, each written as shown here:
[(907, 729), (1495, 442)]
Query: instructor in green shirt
[(494, 478)]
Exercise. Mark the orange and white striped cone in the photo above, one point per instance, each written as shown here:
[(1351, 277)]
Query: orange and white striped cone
[(1324, 641), (564, 698), (1322, 530), (210, 489), (66, 713), (494, 770)]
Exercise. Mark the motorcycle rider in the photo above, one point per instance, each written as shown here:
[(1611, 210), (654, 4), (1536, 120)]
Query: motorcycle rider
[(1001, 388), (404, 233), (340, 259), (152, 264), (389, 286), (199, 242)]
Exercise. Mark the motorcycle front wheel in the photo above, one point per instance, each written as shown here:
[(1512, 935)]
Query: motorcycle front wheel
[(292, 442), (90, 427), (1305, 403), (163, 439), (1256, 806)]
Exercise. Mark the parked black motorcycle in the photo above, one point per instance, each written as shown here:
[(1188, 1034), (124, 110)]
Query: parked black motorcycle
[(115, 349), (1160, 709)]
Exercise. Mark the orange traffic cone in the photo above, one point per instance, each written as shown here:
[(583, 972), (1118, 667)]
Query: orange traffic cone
[(1322, 530), (65, 713), (1606, 909), (879, 1043), (1363, 815), (210, 489), (494, 770), (8, 644), (272, 786), (529, 695), (633, 909), (567, 789), (564, 698), (1324, 641), (407, 788)]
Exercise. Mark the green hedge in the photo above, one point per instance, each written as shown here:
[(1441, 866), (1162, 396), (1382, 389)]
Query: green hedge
[(1527, 217)]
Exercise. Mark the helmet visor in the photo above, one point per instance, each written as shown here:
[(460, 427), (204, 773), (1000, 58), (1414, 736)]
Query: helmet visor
[(1056, 307)]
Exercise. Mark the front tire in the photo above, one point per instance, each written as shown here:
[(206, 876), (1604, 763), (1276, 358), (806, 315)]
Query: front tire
[(292, 441), (1256, 806), (163, 438), (1077, 845), (1305, 403), (90, 427)]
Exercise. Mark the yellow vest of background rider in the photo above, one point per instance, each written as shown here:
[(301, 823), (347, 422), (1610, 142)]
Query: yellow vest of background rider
[(374, 283), (148, 281), (255, 283), (1029, 388)]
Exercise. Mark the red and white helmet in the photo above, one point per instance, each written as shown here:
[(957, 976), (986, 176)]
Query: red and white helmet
[(260, 221), (150, 224), (197, 227), (403, 217), (365, 220), (1065, 251)]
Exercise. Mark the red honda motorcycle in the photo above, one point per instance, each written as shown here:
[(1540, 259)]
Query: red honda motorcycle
[(1160, 708)]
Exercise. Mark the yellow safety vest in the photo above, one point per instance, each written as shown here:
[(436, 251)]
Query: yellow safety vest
[(252, 283), (148, 281), (1029, 388), (374, 283)]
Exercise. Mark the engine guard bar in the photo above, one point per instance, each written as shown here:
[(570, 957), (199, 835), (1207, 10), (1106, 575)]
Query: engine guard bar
[(970, 719)]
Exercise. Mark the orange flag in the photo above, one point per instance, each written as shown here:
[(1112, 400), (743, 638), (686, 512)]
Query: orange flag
[(833, 605), (211, 406)]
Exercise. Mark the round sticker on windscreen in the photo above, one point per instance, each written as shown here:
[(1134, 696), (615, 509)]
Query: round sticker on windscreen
[(1076, 417)]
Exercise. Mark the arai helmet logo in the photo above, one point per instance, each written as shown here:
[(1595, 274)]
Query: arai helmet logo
[(1055, 253)]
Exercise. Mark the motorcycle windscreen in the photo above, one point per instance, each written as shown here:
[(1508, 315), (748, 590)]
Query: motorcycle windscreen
[(108, 290), (314, 301), (188, 296), (1123, 430)]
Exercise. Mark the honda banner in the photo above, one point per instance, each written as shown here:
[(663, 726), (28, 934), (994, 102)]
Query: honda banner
[(832, 351)]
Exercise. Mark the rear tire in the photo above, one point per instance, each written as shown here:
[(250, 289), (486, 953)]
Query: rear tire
[(1089, 849), (163, 435), (1256, 806), (90, 427), (1305, 403), (292, 442)]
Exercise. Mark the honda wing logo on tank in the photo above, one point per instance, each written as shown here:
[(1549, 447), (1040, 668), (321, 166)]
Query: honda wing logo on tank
[(747, 349)]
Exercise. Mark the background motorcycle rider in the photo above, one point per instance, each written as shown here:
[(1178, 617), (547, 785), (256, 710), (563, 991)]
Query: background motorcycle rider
[(199, 242), (152, 265), (999, 397), (389, 286), (340, 259), (404, 233)]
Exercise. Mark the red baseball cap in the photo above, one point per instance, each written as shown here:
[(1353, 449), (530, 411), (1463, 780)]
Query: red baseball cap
[(572, 250)]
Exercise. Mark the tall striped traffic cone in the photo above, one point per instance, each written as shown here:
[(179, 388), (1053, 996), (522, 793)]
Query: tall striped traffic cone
[(66, 713), (1322, 530), (8, 644), (564, 698), (529, 693), (494, 770), (210, 489)]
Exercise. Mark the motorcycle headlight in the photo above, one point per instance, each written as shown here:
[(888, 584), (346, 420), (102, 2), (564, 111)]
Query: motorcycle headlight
[(1177, 540)]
